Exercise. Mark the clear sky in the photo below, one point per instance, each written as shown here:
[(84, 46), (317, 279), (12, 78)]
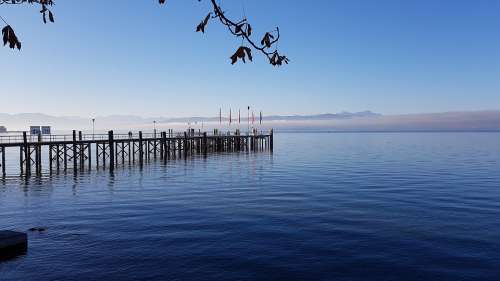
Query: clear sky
[(137, 58)]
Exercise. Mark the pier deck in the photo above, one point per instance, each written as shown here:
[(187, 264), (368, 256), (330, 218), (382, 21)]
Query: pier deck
[(79, 152)]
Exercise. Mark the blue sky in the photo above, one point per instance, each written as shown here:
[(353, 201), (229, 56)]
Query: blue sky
[(135, 57)]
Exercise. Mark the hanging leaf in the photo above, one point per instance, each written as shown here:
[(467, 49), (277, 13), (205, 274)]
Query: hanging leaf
[(10, 37), (278, 60), (5, 34), (249, 30), (203, 24), (272, 60), (242, 53), (248, 51), (44, 9), (51, 16), (239, 29), (266, 41)]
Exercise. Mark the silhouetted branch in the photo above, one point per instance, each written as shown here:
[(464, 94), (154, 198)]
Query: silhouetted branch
[(242, 28)]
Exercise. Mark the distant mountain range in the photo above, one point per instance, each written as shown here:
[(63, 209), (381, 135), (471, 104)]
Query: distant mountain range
[(344, 121), (24, 120), (326, 116)]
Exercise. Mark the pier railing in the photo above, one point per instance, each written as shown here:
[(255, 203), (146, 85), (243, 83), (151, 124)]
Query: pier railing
[(19, 137), (80, 151)]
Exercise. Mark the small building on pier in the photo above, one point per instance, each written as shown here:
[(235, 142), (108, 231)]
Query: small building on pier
[(44, 130), (3, 129)]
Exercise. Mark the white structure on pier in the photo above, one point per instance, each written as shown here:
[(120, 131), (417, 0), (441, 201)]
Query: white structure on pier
[(44, 130)]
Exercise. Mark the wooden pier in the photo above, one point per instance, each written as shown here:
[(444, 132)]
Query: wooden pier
[(79, 152)]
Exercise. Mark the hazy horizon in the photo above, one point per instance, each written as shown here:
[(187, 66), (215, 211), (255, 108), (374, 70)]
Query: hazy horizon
[(343, 121)]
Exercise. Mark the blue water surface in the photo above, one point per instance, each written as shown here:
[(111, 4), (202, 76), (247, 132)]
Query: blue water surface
[(338, 206)]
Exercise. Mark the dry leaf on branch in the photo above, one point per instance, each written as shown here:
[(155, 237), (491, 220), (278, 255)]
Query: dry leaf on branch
[(242, 53), (10, 37)]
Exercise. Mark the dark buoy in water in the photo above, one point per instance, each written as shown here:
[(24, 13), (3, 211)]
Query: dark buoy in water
[(12, 243)]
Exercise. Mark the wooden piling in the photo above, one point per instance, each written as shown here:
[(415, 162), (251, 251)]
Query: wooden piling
[(58, 151), (162, 145), (75, 153), (65, 151), (141, 152), (104, 155), (123, 152), (3, 161), (271, 140), (89, 153), (111, 151), (27, 156), (185, 144), (38, 154), (205, 143)]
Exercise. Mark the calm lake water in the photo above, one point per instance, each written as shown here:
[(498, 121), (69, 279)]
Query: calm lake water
[(350, 206)]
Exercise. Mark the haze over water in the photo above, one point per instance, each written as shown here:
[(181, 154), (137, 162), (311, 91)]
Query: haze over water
[(356, 206)]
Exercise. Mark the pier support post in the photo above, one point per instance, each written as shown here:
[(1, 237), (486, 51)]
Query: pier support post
[(38, 155), (205, 143), (81, 151), (185, 144), (27, 156), (75, 152), (3, 161), (168, 149), (111, 151), (271, 140), (162, 145), (58, 151), (141, 152), (89, 148), (65, 151), (130, 149), (179, 147)]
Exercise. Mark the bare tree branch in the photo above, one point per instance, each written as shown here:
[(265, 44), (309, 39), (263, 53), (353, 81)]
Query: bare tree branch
[(241, 29)]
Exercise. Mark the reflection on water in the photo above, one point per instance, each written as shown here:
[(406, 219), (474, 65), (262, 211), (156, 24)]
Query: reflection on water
[(322, 207)]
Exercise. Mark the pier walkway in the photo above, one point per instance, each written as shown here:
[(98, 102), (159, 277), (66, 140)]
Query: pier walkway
[(79, 152)]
